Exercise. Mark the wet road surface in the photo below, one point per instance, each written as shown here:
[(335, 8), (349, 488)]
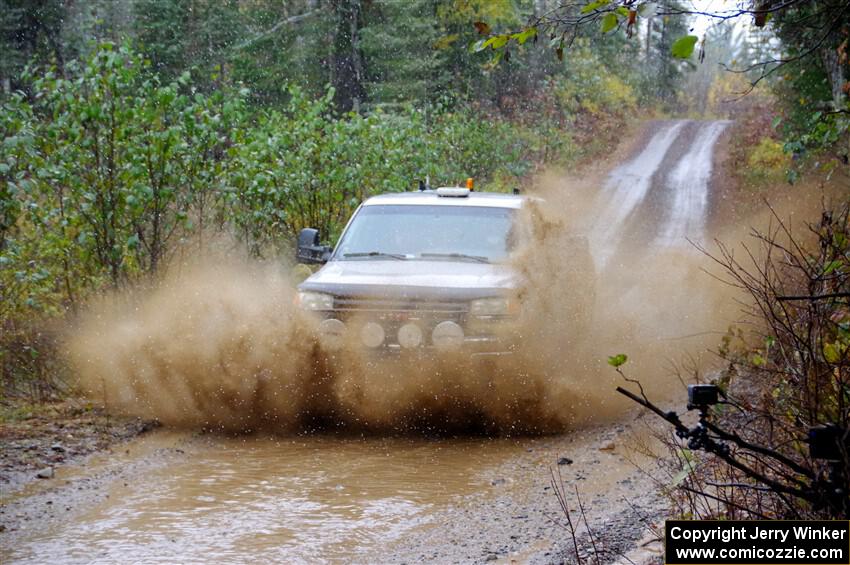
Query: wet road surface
[(660, 197), (318, 499), (278, 499)]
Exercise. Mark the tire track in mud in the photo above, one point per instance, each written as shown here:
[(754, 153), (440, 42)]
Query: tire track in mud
[(689, 181), (628, 185), (659, 198)]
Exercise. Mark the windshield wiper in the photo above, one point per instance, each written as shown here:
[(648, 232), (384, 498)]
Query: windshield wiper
[(478, 258), (376, 254)]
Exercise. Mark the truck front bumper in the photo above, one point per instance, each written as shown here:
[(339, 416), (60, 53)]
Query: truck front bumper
[(399, 335)]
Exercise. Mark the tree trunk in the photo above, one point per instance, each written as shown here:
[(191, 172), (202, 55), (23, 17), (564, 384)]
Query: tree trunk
[(347, 69), (835, 74)]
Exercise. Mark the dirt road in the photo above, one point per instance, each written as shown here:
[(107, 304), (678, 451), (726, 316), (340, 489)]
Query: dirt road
[(661, 196), (176, 496)]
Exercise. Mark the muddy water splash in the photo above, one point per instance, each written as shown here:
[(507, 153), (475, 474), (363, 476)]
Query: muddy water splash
[(217, 346), (225, 347), (221, 345)]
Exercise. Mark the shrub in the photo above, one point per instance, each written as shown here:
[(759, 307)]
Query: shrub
[(749, 457), (768, 160)]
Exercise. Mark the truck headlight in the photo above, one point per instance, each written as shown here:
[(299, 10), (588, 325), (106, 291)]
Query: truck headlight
[(315, 301), (492, 307)]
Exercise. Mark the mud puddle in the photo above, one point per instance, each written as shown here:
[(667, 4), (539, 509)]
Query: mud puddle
[(271, 499)]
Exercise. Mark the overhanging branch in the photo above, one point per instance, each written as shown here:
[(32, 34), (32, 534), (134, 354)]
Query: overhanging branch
[(276, 27)]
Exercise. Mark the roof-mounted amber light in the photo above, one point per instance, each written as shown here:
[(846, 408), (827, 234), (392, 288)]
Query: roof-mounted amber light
[(470, 184)]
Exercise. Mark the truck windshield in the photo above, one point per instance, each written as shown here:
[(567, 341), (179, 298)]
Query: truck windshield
[(451, 233)]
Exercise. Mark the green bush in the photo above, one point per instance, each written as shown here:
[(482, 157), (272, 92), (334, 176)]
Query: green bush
[(768, 161)]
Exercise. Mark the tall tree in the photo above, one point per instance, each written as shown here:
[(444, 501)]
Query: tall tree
[(468, 75), (399, 44), (29, 29), (161, 27), (665, 70), (347, 68), (284, 44)]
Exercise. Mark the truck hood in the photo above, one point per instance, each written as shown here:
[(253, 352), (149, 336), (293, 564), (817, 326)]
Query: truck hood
[(456, 280)]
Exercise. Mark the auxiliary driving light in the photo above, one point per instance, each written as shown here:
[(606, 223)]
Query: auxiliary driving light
[(372, 335), (331, 334), (447, 336), (410, 336)]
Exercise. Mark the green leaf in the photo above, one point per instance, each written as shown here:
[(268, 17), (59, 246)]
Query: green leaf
[(618, 360), (525, 35), (446, 41), (594, 6), (478, 46), (832, 353), (609, 22), (832, 266), (689, 465), (499, 41), (495, 42), (683, 47)]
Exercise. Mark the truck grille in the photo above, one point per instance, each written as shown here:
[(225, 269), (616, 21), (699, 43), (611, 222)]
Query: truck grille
[(384, 305)]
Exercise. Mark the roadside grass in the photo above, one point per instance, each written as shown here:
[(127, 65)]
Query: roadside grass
[(21, 410), (18, 410)]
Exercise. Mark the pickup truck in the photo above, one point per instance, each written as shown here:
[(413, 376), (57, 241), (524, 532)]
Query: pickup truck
[(425, 271)]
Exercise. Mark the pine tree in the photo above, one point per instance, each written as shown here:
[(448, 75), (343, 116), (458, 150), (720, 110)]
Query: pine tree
[(285, 43), (401, 61), (162, 29), (30, 30), (347, 63)]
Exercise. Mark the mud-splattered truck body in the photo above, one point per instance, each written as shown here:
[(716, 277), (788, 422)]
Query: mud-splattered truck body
[(419, 271)]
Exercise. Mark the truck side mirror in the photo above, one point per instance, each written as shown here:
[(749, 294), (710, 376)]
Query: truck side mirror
[(309, 250)]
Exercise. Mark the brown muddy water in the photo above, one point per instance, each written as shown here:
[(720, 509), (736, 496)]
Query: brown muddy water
[(271, 499)]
